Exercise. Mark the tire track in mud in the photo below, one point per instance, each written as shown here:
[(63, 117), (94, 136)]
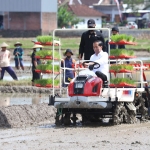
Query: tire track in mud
[(26, 115)]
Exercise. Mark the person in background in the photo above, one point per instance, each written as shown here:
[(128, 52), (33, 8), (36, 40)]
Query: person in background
[(87, 39), (114, 31), (5, 62), (18, 53), (67, 62), (100, 57), (35, 61)]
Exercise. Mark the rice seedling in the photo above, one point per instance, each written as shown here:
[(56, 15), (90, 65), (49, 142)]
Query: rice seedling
[(119, 67), (121, 80), (48, 67), (118, 52), (45, 53), (122, 37), (44, 82), (46, 38)]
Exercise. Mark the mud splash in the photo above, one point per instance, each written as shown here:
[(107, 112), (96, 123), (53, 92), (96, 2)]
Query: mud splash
[(26, 115)]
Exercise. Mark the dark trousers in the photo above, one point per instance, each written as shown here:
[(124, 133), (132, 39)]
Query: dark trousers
[(18, 62), (101, 75), (35, 75), (10, 71)]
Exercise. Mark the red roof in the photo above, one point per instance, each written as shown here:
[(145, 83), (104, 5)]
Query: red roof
[(87, 2), (85, 11)]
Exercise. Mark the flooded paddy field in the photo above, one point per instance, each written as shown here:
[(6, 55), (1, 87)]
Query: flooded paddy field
[(103, 137), (27, 123), (8, 99)]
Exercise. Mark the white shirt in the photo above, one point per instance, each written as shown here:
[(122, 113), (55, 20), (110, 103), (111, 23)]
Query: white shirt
[(102, 59), (4, 58)]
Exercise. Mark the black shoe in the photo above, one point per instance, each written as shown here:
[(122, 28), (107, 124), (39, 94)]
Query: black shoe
[(105, 84)]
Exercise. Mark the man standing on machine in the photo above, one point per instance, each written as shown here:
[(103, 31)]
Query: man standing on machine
[(87, 39)]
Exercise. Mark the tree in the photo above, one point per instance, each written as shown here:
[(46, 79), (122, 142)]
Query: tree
[(133, 4), (65, 17), (60, 3)]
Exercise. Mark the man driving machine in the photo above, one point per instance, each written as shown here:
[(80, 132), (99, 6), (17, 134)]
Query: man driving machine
[(101, 58)]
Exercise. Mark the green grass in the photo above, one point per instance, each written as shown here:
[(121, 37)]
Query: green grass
[(118, 52), (142, 44), (73, 43), (24, 82), (119, 80), (121, 66), (27, 42), (48, 67), (44, 82), (119, 37)]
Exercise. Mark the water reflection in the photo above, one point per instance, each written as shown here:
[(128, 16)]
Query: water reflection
[(22, 76), (22, 99), (5, 102)]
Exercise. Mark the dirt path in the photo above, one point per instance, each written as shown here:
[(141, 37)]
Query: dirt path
[(122, 137)]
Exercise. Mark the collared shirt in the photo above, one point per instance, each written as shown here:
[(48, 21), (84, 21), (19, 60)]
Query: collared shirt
[(102, 59)]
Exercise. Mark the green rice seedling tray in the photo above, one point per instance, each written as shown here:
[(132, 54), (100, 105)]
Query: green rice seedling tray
[(46, 44), (121, 57), (122, 43), (122, 84)]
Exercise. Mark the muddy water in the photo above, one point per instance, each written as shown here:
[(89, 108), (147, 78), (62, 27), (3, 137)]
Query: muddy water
[(22, 99), (22, 75), (27, 74)]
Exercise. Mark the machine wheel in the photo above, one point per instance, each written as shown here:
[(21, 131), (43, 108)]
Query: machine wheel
[(59, 117), (74, 119), (66, 119), (120, 114), (57, 120), (131, 117)]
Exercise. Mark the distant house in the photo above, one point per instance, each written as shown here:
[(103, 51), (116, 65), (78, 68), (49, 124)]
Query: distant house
[(142, 12), (27, 17), (83, 2), (76, 2), (85, 13), (107, 7), (110, 8)]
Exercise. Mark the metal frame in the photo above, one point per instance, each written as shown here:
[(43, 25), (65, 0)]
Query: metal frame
[(64, 68), (85, 29)]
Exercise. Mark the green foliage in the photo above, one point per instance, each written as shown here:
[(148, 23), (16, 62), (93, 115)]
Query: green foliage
[(44, 53), (45, 38), (133, 4), (49, 62), (118, 52), (119, 67), (48, 67), (21, 82), (119, 80), (65, 17), (44, 82), (123, 23), (120, 37)]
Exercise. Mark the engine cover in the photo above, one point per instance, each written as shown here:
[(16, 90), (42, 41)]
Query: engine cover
[(85, 86)]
